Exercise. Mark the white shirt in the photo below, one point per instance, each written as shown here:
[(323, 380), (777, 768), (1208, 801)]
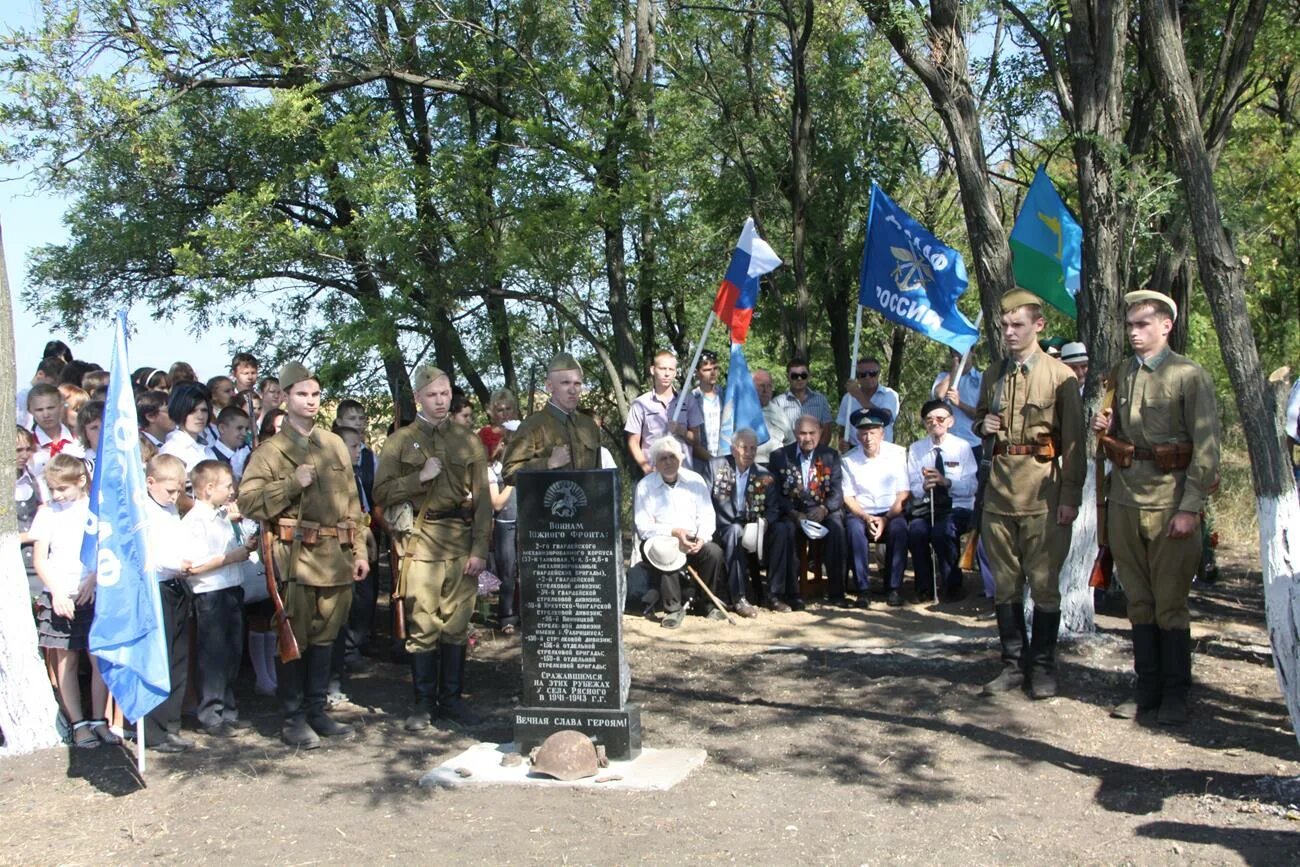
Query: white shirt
[(875, 482), (779, 433), (207, 533), (36, 465), (660, 508), (968, 389), (187, 448), (958, 465), (711, 406), (237, 459), (60, 527), (163, 539), (884, 398)]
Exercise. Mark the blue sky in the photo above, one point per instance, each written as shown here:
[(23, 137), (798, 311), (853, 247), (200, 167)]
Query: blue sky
[(30, 217)]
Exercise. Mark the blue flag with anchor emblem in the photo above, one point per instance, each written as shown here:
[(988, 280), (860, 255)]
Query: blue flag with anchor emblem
[(911, 277)]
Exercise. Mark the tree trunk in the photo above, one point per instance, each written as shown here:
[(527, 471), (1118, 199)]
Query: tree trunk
[(1223, 277), (800, 33), (28, 712)]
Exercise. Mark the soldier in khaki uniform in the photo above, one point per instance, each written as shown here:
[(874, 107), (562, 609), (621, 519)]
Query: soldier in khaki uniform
[(301, 483), (559, 437), (1162, 439), (1032, 412), (439, 468)]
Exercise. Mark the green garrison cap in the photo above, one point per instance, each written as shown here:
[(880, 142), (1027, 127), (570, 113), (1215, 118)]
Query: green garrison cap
[(292, 373), (1019, 298), (563, 361), (425, 374)]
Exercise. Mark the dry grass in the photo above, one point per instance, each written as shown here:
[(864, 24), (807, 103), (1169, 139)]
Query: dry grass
[(1234, 513)]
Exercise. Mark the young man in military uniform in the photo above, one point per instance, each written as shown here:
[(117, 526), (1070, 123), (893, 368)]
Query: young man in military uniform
[(1162, 439), (301, 483), (559, 437), (439, 468), (1032, 412)]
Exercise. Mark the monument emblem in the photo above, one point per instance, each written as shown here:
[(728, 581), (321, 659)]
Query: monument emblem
[(564, 498)]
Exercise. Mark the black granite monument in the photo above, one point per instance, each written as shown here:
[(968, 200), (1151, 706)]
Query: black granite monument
[(572, 582)]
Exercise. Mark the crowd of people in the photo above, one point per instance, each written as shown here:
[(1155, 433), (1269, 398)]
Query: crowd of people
[(243, 477)]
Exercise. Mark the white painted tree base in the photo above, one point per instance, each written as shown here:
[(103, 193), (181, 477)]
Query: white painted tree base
[(1279, 526), (28, 712)]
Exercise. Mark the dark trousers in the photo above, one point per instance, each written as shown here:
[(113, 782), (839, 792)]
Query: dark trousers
[(941, 537), (707, 562), (507, 564), (176, 607), (362, 614), (895, 539), (735, 559), (783, 556), (219, 646)]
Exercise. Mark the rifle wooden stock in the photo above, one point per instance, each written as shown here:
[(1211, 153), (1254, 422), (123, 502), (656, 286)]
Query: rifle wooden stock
[(1103, 569), (967, 561), (397, 601), (284, 631)]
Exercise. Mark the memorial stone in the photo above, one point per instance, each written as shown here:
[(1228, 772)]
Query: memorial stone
[(572, 584)]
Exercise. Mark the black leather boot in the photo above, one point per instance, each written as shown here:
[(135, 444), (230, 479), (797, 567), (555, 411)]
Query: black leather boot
[(1146, 664), (1042, 653), (290, 688), (451, 679), (424, 680), (1011, 634), (319, 660), (1176, 674)]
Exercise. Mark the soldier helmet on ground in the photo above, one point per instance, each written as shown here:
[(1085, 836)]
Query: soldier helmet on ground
[(567, 755)]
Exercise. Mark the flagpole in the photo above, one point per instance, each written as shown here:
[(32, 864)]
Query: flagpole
[(857, 335), (699, 348)]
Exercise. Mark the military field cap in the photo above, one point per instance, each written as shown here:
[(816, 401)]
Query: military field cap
[(1019, 298), (563, 361), (931, 405), (425, 374), (871, 417), (1152, 295), (293, 373), (1074, 353)]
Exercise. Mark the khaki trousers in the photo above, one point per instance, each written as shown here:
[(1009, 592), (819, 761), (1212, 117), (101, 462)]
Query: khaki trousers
[(1025, 549), (439, 603), (316, 614), (1155, 571)]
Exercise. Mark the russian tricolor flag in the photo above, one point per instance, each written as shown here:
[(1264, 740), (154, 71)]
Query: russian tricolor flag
[(738, 293)]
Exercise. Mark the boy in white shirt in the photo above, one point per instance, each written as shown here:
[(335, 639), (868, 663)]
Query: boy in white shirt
[(165, 480), (213, 555), (231, 446)]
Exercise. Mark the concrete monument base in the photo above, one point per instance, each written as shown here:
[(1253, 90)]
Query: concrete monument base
[(480, 765)]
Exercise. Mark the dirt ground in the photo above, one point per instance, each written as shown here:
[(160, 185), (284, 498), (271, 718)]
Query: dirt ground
[(833, 737)]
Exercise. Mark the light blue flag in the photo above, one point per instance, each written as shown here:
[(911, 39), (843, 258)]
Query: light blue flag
[(127, 632), (740, 405), (911, 277)]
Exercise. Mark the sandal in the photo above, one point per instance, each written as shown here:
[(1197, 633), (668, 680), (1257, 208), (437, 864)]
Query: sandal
[(103, 732), (83, 735)]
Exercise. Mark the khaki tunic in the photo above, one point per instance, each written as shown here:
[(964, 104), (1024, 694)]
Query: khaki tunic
[(269, 491), (439, 598), (530, 446), (1169, 399), (1042, 396)]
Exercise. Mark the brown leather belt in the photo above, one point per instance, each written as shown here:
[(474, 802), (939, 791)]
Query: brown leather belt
[(1011, 449), (466, 515), (313, 532), (1141, 454)]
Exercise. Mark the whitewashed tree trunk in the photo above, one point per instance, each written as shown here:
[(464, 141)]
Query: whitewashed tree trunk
[(28, 712), (1279, 527), (1077, 613)]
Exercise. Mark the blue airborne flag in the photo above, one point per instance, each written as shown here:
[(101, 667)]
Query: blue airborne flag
[(911, 277), (127, 632), (740, 405)]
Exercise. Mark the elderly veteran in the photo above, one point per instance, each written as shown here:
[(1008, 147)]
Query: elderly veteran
[(942, 475), (440, 469), (672, 507), (740, 490), (875, 492), (300, 483)]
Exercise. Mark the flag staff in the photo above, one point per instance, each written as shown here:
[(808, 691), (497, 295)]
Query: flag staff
[(695, 362), (857, 336)]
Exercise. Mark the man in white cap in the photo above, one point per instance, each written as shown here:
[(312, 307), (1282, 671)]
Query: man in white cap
[(1162, 439), (1074, 355)]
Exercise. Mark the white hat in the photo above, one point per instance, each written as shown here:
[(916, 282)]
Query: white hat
[(664, 554), (749, 539), (1074, 353), (812, 529)]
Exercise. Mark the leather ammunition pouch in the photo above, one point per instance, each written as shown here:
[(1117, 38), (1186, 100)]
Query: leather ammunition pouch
[(1118, 452), (1044, 450), (287, 529), (1170, 457)]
